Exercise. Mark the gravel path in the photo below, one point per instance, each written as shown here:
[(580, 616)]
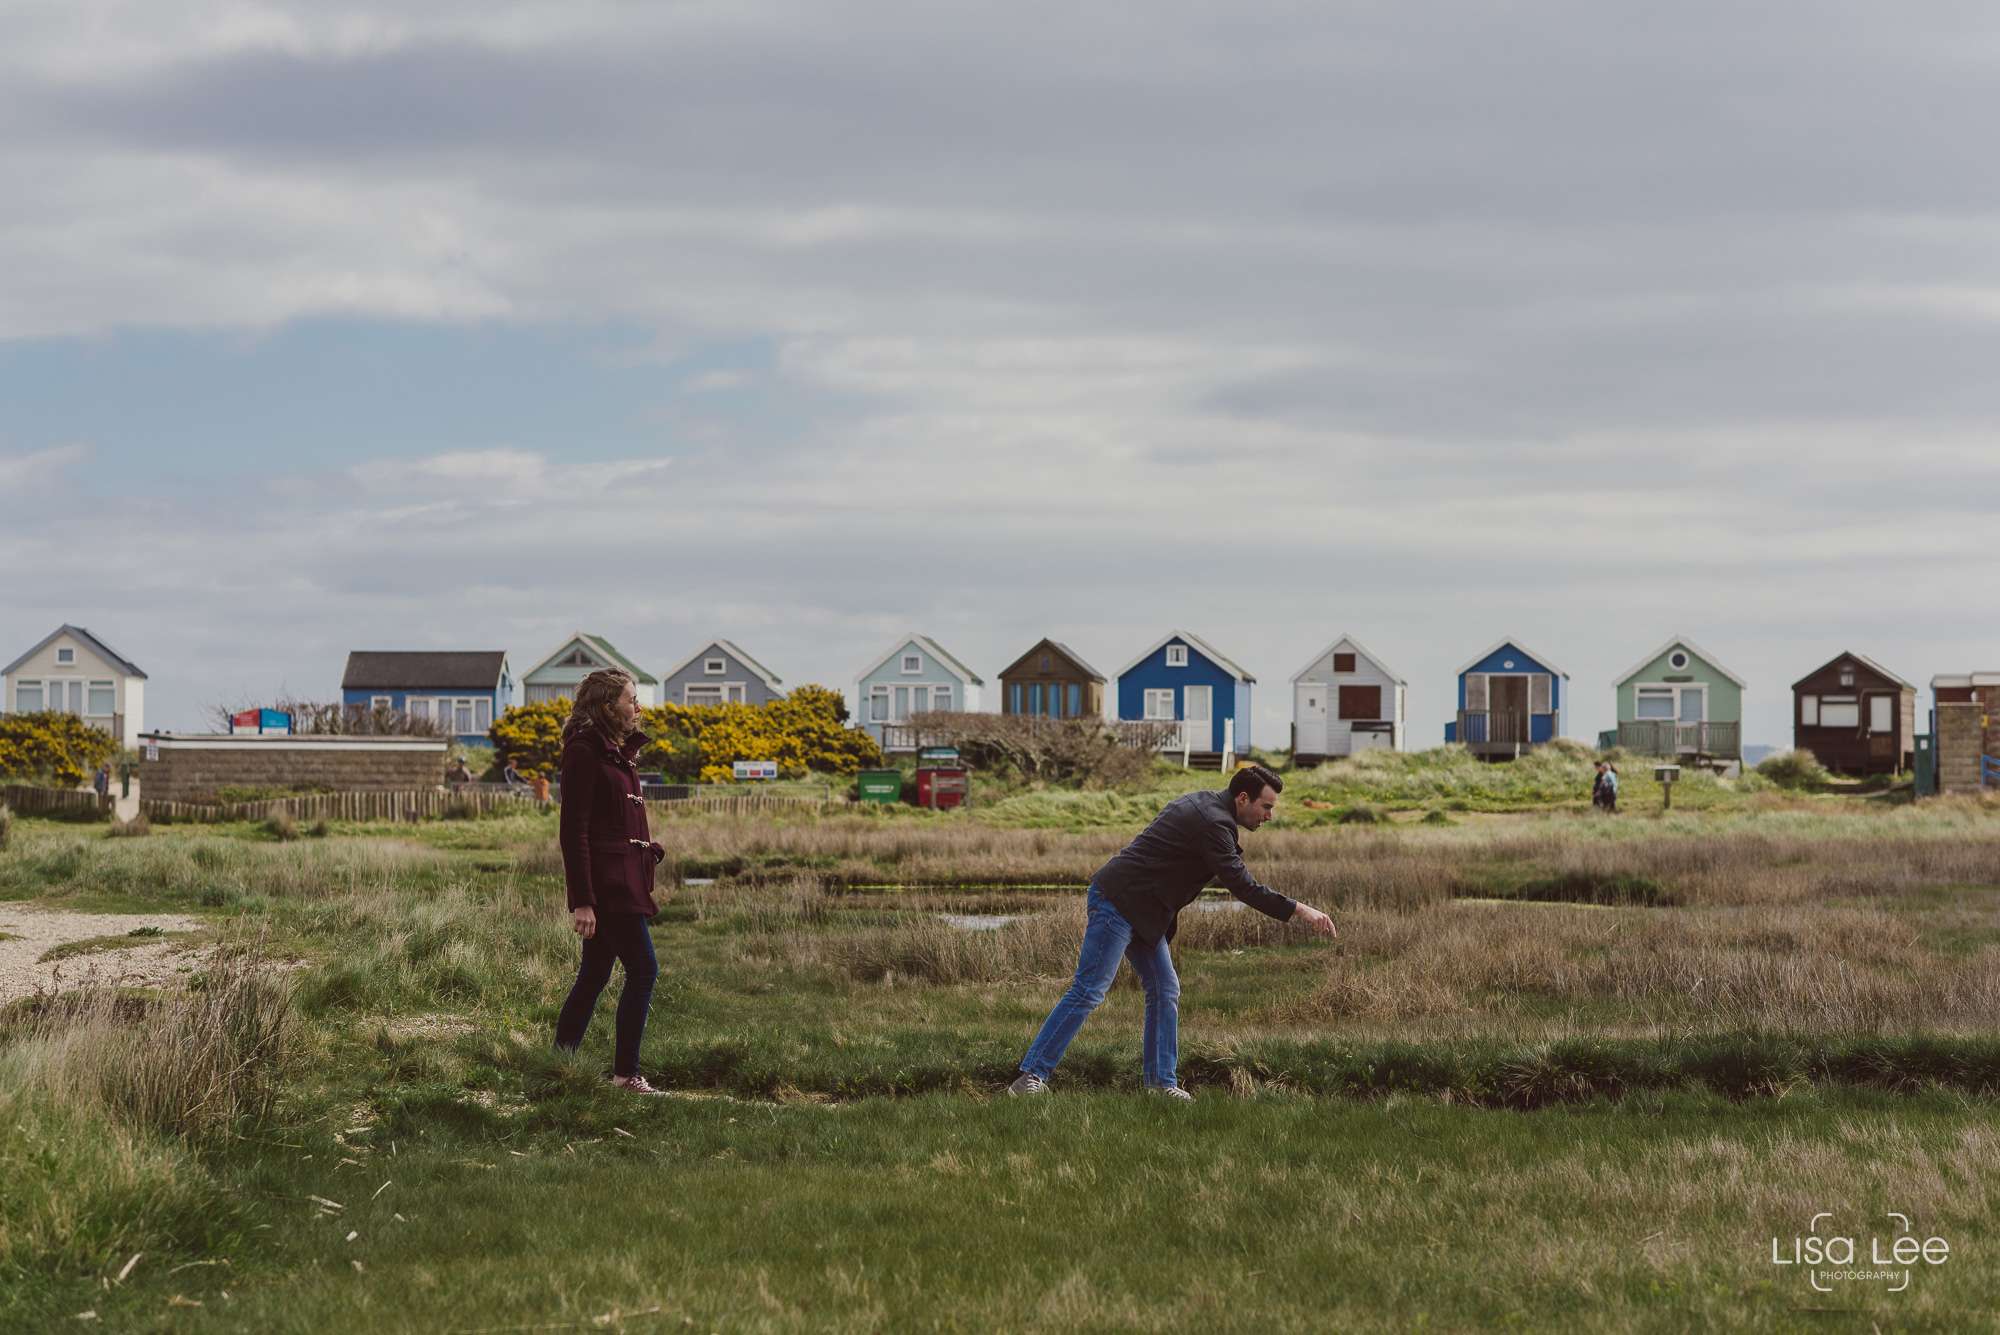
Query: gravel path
[(150, 965)]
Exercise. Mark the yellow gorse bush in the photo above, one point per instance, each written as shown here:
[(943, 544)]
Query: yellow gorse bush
[(52, 745), (531, 735), (804, 731)]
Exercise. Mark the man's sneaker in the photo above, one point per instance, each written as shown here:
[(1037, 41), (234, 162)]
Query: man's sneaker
[(1029, 1084), (635, 1084), (1173, 1092)]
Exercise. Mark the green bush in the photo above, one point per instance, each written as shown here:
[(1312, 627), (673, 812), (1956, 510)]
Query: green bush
[(1798, 770)]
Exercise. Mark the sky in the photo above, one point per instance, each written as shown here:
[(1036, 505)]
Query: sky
[(333, 326)]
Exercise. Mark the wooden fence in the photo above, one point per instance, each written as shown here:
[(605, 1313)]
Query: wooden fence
[(345, 806), (429, 803), (28, 800), (738, 806)]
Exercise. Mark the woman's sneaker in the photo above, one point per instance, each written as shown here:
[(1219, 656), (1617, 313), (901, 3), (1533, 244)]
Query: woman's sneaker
[(635, 1084), (1029, 1084), (1172, 1092)]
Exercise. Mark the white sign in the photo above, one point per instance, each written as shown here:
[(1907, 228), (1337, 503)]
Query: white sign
[(152, 750), (756, 769)]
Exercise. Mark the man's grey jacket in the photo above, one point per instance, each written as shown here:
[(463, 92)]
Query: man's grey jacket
[(1161, 872)]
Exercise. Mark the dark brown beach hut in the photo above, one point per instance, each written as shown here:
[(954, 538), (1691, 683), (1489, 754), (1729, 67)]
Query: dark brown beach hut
[(1856, 716)]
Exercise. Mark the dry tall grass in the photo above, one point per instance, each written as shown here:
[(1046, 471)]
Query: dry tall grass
[(1828, 971), (1400, 869), (189, 1066)]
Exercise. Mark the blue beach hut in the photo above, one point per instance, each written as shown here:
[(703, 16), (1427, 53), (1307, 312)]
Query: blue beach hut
[(1184, 679), (1509, 699)]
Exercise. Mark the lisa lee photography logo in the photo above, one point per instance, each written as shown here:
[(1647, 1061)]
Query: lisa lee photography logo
[(1831, 1260)]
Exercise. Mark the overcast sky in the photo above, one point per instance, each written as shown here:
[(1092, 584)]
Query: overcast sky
[(329, 326)]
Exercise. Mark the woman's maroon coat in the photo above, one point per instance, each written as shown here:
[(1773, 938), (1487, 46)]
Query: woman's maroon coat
[(608, 853)]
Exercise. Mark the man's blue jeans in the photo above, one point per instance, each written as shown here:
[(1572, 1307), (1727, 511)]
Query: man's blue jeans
[(1106, 940)]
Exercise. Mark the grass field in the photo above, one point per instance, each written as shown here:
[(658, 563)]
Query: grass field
[(1557, 1073)]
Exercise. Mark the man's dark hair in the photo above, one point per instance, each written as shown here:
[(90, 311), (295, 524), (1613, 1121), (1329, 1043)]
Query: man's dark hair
[(1252, 780)]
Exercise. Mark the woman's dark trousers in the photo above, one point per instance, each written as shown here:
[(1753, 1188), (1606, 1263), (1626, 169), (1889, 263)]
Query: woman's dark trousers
[(622, 937)]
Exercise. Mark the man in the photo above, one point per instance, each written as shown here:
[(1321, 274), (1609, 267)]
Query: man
[(1134, 904)]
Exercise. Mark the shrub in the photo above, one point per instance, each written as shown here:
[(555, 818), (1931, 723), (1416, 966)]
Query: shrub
[(284, 827), (1084, 752), (320, 829), (1794, 769), (531, 735), (323, 717), (805, 730), (61, 747), (6, 825), (136, 828), (1364, 813)]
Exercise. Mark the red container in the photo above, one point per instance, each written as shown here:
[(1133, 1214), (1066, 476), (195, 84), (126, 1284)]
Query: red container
[(940, 789)]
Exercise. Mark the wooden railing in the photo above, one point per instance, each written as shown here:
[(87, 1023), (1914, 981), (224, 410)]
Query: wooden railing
[(1667, 737), (1494, 727)]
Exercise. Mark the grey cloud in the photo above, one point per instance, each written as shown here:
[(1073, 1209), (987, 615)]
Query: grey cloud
[(1579, 323)]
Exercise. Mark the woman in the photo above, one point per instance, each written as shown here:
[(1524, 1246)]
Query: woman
[(608, 860)]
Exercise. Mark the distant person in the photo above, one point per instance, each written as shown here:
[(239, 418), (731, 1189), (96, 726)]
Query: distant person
[(1604, 792), (102, 780), (1134, 905), (608, 860), (456, 772), (511, 776)]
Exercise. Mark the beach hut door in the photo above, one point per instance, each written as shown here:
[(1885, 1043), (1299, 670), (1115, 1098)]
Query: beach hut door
[(1311, 715)]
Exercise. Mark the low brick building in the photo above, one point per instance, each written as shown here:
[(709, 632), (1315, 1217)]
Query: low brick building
[(1965, 705), (189, 768)]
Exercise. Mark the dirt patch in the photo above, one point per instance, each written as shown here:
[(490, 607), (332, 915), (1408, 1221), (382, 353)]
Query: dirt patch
[(33, 932)]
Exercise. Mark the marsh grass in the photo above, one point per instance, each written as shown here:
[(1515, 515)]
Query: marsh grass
[(190, 1066), (1831, 971), (1706, 1073), (136, 828)]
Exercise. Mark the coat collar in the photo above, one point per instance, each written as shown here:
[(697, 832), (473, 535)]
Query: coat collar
[(626, 751)]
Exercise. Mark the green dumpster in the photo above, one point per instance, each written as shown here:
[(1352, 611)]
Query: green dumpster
[(881, 785)]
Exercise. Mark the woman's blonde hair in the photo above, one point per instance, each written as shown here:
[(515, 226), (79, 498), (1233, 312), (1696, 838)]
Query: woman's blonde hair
[(595, 698)]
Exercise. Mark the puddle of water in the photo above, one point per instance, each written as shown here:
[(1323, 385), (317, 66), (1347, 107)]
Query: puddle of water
[(1220, 905), (982, 922), (699, 880), (1537, 903)]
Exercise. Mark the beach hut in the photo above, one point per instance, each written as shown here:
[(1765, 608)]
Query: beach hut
[(1345, 700), (1185, 680), (719, 673), (1051, 680), (557, 676), (1856, 716), (915, 676), (1678, 702), (462, 689), (1509, 699)]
